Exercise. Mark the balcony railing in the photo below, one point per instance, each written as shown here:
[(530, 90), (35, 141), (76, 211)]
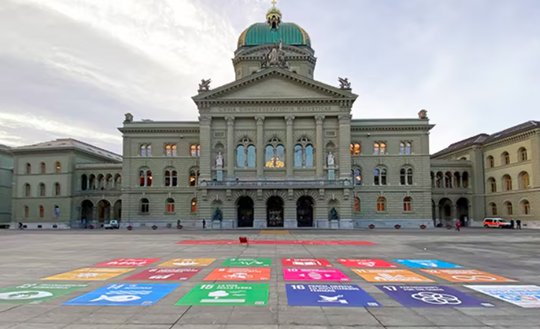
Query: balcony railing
[(275, 184)]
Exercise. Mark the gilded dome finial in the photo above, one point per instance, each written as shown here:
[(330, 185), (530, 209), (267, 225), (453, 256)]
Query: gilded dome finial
[(273, 16)]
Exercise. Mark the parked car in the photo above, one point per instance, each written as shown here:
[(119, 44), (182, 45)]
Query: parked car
[(112, 224), (496, 223)]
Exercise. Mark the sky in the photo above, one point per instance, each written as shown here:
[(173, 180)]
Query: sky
[(72, 68)]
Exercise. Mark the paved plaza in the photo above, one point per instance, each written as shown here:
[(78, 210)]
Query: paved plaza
[(290, 279)]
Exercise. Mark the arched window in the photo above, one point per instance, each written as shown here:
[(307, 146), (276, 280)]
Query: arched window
[(492, 185), (432, 179), (57, 190), (41, 211), (118, 180), (144, 206), (171, 177), (439, 179), (193, 176), (356, 205), (84, 182), (406, 176), (490, 162), (169, 206), (379, 176), (465, 179), (303, 153), (525, 207), (505, 158), (379, 147), (26, 212), (194, 205), (407, 203), (457, 179), (522, 154), (42, 168), (245, 154), (507, 183), (28, 168), (100, 182), (524, 182), (251, 156), (170, 150), (145, 150), (381, 204), (508, 207), (42, 189), (448, 180), (108, 182), (357, 176), (355, 148), (493, 209), (57, 167), (145, 177), (274, 154), (27, 190), (240, 156), (195, 150), (405, 148)]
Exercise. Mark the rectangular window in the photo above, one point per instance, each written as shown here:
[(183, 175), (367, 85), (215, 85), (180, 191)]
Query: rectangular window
[(170, 150)]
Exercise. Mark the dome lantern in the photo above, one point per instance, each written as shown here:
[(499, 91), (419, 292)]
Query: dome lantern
[(273, 16)]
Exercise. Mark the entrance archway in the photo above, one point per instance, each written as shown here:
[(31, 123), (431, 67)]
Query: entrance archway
[(445, 211), (117, 210), (87, 212), (103, 211), (304, 211), (274, 212), (462, 209), (244, 206)]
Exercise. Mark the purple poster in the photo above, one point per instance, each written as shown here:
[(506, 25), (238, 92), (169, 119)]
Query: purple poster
[(336, 295), (431, 296)]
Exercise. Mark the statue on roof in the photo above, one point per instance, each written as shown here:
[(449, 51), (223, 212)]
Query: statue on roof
[(344, 83), (275, 58), (204, 85), (128, 118)]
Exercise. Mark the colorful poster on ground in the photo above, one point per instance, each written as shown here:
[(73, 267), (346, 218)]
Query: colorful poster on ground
[(426, 263), (366, 263), (467, 276), (34, 293), (431, 296), (227, 294), (187, 262), (125, 294), (253, 262), (165, 274), (384, 275), (282, 242), (308, 262), (520, 295), (128, 262), (314, 274), (90, 274), (333, 295), (239, 274)]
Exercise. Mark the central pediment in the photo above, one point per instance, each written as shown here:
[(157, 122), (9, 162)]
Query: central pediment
[(275, 84)]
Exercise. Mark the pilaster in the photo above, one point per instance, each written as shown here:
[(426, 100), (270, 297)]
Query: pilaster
[(260, 146), (230, 147), (344, 143), (319, 151), (290, 146), (206, 149)]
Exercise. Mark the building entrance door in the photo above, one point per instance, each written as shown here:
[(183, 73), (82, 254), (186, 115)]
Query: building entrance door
[(244, 212), (274, 212), (304, 212)]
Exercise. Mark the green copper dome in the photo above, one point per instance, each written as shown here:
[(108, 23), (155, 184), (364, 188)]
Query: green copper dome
[(263, 34)]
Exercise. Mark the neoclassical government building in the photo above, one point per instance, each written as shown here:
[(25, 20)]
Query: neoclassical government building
[(275, 148)]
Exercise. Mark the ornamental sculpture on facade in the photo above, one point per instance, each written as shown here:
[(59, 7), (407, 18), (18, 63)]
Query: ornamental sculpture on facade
[(344, 83), (204, 85), (275, 58)]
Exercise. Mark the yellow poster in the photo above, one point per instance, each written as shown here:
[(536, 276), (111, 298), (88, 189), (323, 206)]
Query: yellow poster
[(387, 275), (90, 274), (187, 262), (459, 275)]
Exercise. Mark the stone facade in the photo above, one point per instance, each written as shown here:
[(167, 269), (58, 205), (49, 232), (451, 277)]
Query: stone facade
[(6, 179)]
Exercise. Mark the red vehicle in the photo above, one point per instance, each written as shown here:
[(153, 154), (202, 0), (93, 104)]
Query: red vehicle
[(496, 223)]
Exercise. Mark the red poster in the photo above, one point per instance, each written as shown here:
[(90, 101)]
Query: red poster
[(282, 242), (366, 263), (165, 274), (308, 262), (128, 262)]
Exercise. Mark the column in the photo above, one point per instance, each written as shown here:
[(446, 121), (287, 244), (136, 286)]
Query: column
[(344, 144), (289, 151), (230, 148), (319, 151), (260, 147), (205, 163)]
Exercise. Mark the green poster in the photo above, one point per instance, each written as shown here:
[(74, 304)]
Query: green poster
[(229, 294), (251, 262), (34, 293)]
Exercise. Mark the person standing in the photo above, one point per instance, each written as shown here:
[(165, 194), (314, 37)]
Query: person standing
[(204, 223), (518, 223), (458, 225)]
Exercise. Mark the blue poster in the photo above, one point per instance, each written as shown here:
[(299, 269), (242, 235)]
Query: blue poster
[(431, 296), (426, 263), (338, 295), (124, 294)]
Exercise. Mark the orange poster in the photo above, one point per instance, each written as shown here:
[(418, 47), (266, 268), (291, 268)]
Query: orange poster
[(384, 275), (187, 262), (459, 275), (239, 274), (90, 274)]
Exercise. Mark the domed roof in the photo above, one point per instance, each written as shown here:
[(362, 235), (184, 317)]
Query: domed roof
[(261, 34)]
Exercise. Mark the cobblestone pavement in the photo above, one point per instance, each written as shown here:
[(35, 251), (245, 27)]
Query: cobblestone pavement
[(29, 256)]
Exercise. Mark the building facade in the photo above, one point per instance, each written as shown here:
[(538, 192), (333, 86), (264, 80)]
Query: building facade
[(6, 179)]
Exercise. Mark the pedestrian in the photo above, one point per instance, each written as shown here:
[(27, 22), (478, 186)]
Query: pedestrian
[(458, 225), (518, 222), (21, 226), (203, 223), (512, 224)]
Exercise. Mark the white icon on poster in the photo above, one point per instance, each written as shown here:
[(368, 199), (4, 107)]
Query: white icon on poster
[(23, 295), (117, 299)]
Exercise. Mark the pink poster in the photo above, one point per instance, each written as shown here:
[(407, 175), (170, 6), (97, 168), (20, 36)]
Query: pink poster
[(128, 262), (310, 262), (165, 274), (366, 263), (314, 274)]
